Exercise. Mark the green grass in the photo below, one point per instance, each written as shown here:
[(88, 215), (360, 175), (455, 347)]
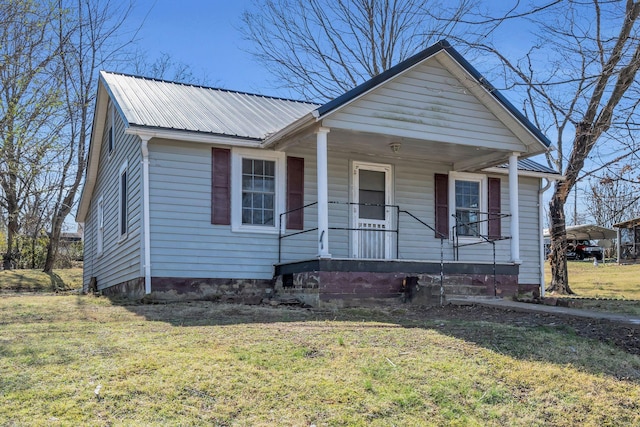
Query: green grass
[(616, 288), (214, 364), (37, 281)]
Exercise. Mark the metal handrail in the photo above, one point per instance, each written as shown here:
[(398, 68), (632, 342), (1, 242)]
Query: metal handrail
[(484, 239)]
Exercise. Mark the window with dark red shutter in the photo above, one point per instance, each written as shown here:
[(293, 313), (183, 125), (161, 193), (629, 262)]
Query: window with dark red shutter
[(221, 186), (295, 193), (441, 184), (494, 208)]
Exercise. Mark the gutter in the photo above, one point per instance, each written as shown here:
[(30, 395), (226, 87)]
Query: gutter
[(189, 136), (541, 233), (144, 146)]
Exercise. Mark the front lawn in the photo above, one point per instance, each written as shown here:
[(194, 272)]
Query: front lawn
[(83, 360)]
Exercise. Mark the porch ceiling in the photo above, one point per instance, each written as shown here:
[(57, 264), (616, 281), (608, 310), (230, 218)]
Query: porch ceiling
[(460, 157)]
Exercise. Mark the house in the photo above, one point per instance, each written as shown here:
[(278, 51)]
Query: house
[(419, 177)]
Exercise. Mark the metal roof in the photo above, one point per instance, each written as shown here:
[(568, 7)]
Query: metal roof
[(586, 232), (632, 223), (169, 105), (531, 166)]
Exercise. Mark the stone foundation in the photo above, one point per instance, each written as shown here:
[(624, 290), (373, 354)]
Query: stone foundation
[(331, 284), (245, 291), (337, 286)]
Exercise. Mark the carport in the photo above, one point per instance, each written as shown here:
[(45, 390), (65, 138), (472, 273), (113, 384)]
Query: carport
[(628, 240), (590, 232)]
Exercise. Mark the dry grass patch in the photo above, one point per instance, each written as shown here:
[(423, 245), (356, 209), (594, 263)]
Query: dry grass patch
[(215, 364), (37, 281)]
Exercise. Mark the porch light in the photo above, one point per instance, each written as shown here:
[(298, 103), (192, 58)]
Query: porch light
[(395, 146)]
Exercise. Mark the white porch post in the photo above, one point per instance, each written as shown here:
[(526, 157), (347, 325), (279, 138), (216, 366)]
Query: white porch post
[(618, 244), (323, 193), (513, 207)]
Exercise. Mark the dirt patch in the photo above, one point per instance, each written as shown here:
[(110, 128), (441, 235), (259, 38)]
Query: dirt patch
[(624, 336)]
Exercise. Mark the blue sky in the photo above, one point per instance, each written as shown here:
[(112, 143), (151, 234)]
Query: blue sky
[(204, 35)]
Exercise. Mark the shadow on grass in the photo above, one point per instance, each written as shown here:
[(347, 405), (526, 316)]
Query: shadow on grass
[(545, 338), (57, 284)]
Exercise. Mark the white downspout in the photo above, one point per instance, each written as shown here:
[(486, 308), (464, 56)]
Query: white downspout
[(145, 213), (540, 228)]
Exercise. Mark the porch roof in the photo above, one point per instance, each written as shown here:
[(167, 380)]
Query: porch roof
[(442, 45)]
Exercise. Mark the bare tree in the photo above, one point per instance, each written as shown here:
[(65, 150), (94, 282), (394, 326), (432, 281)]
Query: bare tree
[(579, 84), (29, 104), (614, 197), (86, 31), (165, 67), (320, 49)]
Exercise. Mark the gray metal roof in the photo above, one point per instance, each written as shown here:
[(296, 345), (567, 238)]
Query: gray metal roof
[(531, 166), (176, 106)]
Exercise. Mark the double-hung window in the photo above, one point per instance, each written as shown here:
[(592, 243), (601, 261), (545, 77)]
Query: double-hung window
[(258, 190), (468, 193)]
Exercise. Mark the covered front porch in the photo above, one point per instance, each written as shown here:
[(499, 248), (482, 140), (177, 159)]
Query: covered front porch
[(411, 178)]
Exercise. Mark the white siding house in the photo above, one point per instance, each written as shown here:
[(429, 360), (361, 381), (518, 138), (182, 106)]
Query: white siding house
[(421, 172)]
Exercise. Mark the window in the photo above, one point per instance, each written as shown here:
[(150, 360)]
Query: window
[(467, 207), (110, 139), (123, 203), (468, 197), (257, 190), (100, 230)]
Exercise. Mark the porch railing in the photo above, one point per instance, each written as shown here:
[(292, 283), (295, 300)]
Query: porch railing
[(478, 238), (367, 233)]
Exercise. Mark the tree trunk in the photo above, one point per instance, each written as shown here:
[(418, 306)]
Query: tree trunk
[(54, 242), (12, 231), (558, 257)]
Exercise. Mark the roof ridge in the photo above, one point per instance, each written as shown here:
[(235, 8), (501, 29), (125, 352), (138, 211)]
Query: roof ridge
[(155, 79)]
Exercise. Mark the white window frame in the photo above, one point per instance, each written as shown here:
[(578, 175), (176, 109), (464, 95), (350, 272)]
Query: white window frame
[(484, 199), (123, 169), (100, 227), (237, 154)]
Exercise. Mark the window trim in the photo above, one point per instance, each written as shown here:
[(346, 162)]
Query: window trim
[(237, 154), (124, 170), (484, 200), (100, 227)]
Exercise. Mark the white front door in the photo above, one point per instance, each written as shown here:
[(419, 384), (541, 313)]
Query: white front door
[(371, 211)]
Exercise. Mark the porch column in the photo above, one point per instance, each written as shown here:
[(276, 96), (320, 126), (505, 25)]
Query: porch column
[(618, 244), (323, 193), (513, 207)]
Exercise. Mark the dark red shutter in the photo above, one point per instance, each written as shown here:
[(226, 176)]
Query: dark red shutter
[(494, 208), (220, 186), (295, 192), (441, 184)]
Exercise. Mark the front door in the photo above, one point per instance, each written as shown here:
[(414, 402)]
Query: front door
[(371, 210)]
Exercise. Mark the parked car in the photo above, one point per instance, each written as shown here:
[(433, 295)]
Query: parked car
[(582, 249)]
